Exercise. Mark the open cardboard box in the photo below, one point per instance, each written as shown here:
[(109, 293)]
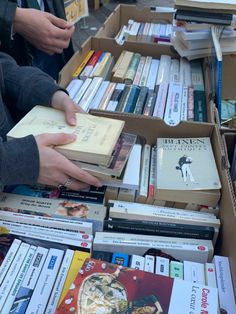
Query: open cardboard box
[(155, 51), (151, 128), (122, 13)]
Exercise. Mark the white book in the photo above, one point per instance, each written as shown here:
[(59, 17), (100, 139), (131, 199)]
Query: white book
[(20, 231), (150, 32), (88, 96), (162, 266), (160, 104), (184, 105), (86, 72), (9, 258), (113, 103), (42, 290), (139, 71), (74, 87), (145, 72), (134, 29), (12, 273), (138, 211), (169, 30), (145, 169), (18, 280), (185, 72), (210, 275), (51, 222), (174, 71), (163, 30), (59, 283), (149, 263), (82, 90), (183, 249), (137, 262), (173, 104), (26, 290), (194, 272), (151, 81), (99, 95), (156, 31), (164, 70), (152, 176), (224, 284), (122, 35)]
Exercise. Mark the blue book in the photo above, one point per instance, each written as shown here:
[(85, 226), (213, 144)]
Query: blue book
[(132, 99), (120, 259), (218, 85)]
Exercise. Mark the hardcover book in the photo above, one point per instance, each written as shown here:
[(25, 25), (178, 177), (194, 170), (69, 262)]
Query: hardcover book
[(96, 136), (101, 287)]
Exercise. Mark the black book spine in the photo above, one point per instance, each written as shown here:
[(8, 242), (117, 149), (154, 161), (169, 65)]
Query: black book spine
[(159, 228)]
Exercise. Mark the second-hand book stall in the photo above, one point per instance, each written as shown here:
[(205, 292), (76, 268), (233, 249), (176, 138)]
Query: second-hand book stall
[(172, 214)]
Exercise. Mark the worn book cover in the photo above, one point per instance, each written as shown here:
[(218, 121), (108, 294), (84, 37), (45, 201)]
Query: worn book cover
[(186, 164), (75, 10), (96, 136), (101, 287)]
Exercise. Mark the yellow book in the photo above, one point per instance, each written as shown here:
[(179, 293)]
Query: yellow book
[(99, 71), (83, 64), (96, 136), (119, 75), (117, 64), (77, 262)]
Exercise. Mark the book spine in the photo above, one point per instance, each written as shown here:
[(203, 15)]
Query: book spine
[(149, 263), (74, 87), (90, 93), (210, 275), (224, 284), (59, 283), (18, 280), (145, 72), (9, 258), (141, 100), (83, 64), (150, 103), (159, 228), (173, 104), (194, 272), (102, 256), (12, 273), (160, 104), (176, 270), (98, 63), (102, 65), (145, 166), (124, 98), (190, 107), (137, 262), (139, 71), (184, 106), (123, 66), (82, 90), (200, 111), (24, 294), (107, 96), (152, 177), (114, 100), (129, 76), (41, 293), (151, 81), (117, 64), (127, 195), (175, 71), (132, 99), (162, 266), (120, 259), (99, 95), (164, 70)]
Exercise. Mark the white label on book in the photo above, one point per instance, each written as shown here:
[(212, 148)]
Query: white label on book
[(173, 104), (194, 272), (162, 266), (184, 106), (137, 262), (149, 262), (152, 75), (164, 70)]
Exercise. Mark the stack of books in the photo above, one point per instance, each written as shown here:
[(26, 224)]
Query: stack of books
[(167, 88), (145, 32)]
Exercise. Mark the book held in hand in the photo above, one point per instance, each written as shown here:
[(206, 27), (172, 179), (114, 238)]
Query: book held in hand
[(96, 136)]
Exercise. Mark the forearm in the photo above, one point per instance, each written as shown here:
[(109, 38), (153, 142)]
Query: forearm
[(19, 161)]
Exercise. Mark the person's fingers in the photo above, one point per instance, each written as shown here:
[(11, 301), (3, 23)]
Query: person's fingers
[(52, 140)]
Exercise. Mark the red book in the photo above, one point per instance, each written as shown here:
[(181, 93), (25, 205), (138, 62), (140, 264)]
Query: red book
[(101, 287), (94, 58)]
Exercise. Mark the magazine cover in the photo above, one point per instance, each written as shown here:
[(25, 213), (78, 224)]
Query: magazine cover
[(76, 9), (101, 287), (186, 164)]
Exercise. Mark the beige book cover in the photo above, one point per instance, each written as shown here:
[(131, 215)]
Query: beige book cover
[(186, 164), (96, 136)]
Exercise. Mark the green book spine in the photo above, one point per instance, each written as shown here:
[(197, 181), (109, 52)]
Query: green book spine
[(200, 109), (129, 76), (132, 99)]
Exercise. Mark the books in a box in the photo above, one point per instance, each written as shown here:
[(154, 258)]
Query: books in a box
[(109, 287), (96, 136), (225, 5)]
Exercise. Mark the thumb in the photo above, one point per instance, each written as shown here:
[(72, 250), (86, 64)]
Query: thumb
[(56, 139), (56, 21)]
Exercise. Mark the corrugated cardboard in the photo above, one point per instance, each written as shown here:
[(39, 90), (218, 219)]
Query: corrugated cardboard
[(123, 13), (150, 128)]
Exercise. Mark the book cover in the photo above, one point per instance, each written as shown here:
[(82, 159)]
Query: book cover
[(109, 288), (96, 136), (189, 162)]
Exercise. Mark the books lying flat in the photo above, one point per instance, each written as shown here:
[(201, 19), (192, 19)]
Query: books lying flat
[(101, 287), (96, 136), (222, 6)]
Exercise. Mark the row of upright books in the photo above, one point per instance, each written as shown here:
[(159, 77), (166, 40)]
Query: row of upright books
[(166, 88)]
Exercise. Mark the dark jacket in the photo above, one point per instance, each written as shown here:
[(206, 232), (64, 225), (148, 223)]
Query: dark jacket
[(21, 88), (19, 48)]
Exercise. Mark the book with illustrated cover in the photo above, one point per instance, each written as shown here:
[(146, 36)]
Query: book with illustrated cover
[(101, 287), (96, 136), (75, 10), (189, 162)]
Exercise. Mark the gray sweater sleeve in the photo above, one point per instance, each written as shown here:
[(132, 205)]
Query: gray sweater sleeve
[(19, 161)]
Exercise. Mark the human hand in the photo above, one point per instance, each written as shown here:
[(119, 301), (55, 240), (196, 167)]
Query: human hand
[(43, 30), (55, 169), (63, 102)]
